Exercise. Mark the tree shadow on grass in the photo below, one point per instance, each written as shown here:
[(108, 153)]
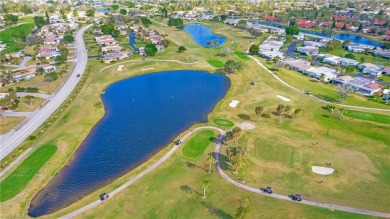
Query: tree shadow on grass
[(267, 116), (189, 190), (273, 69), (215, 211), (244, 116), (223, 161), (193, 166)]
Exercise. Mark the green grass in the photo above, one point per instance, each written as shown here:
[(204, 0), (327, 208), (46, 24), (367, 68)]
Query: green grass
[(223, 122), (11, 37), (241, 55), (274, 151), (216, 63), (139, 45), (367, 58), (373, 117), (385, 78), (196, 146), (20, 177)]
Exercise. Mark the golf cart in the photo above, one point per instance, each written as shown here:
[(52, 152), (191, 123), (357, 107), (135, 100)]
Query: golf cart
[(268, 190), (103, 196), (296, 197)]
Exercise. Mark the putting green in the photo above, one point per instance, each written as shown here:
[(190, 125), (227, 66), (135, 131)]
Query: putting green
[(223, 122)]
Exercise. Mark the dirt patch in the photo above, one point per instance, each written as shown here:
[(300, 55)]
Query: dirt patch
[(247, 126)]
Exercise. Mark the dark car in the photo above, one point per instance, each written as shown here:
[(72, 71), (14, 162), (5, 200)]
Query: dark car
[(177, 142), (268, 190), (307, 92), (78, 75), (103, 196), (296, 197)]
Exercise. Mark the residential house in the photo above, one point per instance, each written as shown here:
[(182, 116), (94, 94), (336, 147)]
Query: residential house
[(111, 48), (386, 94), (372, 69), (25, 74), (322, 73), (3, 95), (355, 48), (308, 50), (348, 62), (48, 52), (317, 44), (14, 55), (116, 56), (47, 68), (105, 40), (361, 85), (386, 71), (160, 48), (142, 51), (299, 65), (333, 60)]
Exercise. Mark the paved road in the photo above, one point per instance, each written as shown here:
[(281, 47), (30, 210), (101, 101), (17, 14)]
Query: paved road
[(319, 99), (290, 49), (9, 143)]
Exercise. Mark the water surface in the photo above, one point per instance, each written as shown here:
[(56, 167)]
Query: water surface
[(143, 114), (203, 35)]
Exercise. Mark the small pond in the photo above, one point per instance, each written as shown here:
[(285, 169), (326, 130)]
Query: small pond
[(143, 114), (204, 36)]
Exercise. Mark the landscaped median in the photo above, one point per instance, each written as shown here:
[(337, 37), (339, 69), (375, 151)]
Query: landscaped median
[(21, 176)]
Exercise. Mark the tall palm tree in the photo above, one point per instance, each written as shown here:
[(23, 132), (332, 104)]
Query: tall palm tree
[(280, 110), (205, 184), (210, 160)]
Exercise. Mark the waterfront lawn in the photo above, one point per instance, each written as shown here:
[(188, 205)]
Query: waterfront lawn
[(21, 176), (241, 55), (11, 37), (216, 63), (373, 117), (223, 122), (8, 123), (198, 143), (358, 56)]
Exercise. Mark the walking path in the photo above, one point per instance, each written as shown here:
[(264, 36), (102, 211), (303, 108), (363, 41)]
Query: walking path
[(11, 113), (40, 95), (319, 99), (15, 162), (156, 60), (227, 178)]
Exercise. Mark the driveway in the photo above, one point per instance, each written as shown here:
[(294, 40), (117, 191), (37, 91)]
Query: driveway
[(290, 49)]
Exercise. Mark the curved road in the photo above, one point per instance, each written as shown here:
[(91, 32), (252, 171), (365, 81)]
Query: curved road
[(319, 99), (227, 178), (9, 143)]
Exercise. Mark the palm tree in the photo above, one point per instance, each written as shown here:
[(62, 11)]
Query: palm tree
[(236, 133), (210, 160), (205, 184), (259, 110)]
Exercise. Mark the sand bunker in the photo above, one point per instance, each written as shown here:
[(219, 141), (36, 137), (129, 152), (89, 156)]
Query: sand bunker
[(147, 69), (247, 125), (120, 68), (322, 170), (234, 103), (283, 98)]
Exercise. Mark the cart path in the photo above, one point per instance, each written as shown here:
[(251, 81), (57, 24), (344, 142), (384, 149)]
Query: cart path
[(319, 99), (227, 178)]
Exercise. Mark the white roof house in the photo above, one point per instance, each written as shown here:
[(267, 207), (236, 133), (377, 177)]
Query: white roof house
[(371, 69), (328, 74), (333, 60)]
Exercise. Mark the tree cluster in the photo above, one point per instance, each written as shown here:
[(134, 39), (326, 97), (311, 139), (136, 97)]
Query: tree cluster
[(176, 22), (10, 101), (231, 66), (292, 30), (150, 49)]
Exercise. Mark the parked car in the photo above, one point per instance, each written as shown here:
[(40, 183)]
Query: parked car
[(78, 75), (268, 190), (103, 196), (296, 197), (177, 142)]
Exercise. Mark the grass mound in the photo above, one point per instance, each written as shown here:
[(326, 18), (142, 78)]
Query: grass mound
[(196, 146), (373, 117), (241, 55), (19, 178), (223, 122), (216, 63)]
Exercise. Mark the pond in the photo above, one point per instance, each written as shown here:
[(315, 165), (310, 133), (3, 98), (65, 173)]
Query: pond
[(204, 36), (143, 114), (103, 10), (353, 38), (132, 41)]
